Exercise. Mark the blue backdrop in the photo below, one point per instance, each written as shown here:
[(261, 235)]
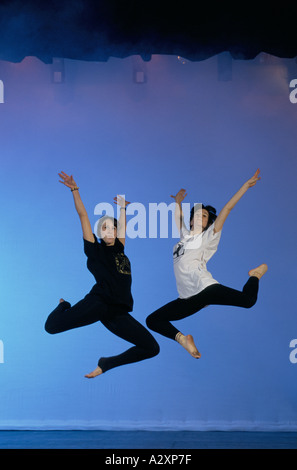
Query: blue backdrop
[(186, 125)]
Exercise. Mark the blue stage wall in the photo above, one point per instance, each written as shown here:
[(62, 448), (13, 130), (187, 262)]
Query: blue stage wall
[(184, 125)]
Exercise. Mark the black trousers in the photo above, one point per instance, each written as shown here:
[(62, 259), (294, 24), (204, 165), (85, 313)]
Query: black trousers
[(92, 309), (216, 294)]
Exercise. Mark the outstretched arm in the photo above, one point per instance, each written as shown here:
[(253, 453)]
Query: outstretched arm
[(121, 230), (220, 220), (178, 214), (80, 208)]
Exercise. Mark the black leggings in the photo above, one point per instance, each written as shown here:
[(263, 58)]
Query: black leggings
[(215, 294), (92, 309)]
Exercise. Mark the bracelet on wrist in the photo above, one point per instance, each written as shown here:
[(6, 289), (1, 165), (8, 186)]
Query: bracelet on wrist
[(124, 208), (76, 188)]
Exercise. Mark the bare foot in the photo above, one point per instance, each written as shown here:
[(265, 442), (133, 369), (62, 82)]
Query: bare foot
[(259, 271), (97, 371), (188, 343)]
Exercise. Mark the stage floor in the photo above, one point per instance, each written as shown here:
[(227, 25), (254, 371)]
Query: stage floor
[(146, 440)]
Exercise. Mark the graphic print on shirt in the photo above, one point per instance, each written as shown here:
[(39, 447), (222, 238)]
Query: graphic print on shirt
[(179, 250), (122, 263)]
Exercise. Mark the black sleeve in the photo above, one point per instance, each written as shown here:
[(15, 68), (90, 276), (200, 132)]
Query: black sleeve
[(119, 245), (91, 248)]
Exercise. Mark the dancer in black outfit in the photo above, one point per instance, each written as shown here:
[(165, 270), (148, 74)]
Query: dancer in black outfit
[(196, 286), (110, 299)]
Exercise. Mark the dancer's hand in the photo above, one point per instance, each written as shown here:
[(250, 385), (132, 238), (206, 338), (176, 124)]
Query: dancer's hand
[(121, 201), (253, 180), (220, 220), (67, 180), (121, 232), (81, 210), (180, 196)]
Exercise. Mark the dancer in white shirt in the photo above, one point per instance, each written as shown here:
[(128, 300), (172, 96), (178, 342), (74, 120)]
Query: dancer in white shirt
[(195, 284)]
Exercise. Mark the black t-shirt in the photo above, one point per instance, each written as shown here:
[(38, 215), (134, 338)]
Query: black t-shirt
[(112, 271)]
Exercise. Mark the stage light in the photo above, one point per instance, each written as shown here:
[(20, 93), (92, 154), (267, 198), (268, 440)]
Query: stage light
[(139, 70), (58, 70), (182, 60)]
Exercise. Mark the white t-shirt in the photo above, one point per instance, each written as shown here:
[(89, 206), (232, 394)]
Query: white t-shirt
[(190, 256)]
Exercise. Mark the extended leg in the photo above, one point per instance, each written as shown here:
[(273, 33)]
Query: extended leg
[(216, 294)]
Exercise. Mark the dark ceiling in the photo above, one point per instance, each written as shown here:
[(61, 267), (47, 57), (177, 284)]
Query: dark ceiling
[(95, 30)]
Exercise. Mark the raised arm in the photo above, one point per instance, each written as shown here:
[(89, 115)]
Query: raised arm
[(80, 208), (220, 220), (121, 229), (178, 214)]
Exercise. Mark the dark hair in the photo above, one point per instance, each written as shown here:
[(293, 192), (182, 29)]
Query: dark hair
[(211, 213), (101, 222)]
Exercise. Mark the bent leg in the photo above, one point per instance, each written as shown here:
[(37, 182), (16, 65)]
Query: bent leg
[(64, 317), (129, 329), (159, 320)]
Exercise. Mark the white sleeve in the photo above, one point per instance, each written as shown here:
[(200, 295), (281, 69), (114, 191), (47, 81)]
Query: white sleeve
[(184, 232), (210, 242)]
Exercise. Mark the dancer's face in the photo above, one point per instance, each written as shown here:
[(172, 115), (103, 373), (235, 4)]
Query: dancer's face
[(200, 220), (108, 232)]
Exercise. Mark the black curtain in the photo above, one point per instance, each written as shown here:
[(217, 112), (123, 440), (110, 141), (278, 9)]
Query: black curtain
[(99, 29)]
